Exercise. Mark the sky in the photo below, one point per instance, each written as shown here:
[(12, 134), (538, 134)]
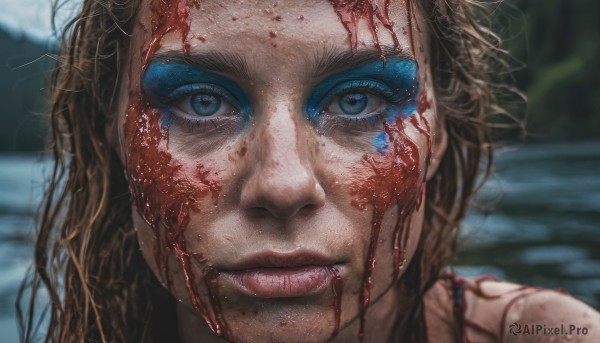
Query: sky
[(32, 17)]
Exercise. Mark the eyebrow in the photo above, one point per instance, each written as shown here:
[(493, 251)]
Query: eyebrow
[(334, 59), (216, 61), (320, 63)]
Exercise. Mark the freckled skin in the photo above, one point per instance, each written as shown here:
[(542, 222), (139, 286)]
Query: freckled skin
[(278, 184)]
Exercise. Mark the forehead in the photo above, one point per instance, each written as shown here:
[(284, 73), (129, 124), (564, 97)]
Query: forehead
[(282, 33)]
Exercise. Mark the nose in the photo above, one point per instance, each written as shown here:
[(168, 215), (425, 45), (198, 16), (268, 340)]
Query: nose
[(282, 182)]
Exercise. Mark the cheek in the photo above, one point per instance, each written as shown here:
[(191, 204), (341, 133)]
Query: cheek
[(393, 180), (162, 195), (166, 192)]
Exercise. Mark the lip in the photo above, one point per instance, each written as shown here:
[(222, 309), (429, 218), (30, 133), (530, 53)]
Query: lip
[(282, 275)]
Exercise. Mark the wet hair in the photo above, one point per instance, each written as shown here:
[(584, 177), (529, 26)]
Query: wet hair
[(87, 258)]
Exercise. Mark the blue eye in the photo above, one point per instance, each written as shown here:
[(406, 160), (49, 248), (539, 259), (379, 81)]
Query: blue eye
[(373, 92), (205, 105), (192, 98), (353, 103)]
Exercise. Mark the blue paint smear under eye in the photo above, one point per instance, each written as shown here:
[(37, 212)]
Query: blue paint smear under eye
[(395, 80), (381, 143), (167, 81)]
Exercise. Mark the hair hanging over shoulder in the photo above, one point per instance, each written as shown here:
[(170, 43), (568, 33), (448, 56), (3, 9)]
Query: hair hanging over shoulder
[(87, 258)]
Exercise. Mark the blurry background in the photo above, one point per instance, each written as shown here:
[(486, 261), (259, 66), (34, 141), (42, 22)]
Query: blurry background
[(537, 220)]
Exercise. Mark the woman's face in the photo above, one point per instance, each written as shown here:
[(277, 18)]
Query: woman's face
[(276, 169)]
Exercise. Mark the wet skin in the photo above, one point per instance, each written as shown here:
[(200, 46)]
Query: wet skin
[(277, 190)]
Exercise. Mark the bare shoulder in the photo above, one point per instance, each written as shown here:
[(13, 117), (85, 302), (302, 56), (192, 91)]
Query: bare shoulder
[(488, 310), (532, 314), (551, 316)]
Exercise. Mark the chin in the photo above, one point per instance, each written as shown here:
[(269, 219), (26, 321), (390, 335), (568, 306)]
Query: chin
[(279, 320)]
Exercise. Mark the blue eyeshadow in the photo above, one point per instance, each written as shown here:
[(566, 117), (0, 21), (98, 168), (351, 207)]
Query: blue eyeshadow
[(165, 81), (396, 80), (399, 76)]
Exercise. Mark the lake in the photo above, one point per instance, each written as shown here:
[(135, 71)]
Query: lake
[(536, 221)]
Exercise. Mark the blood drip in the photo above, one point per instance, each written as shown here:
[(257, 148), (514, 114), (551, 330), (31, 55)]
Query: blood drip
[(163, 196), (168, 16), (401, 235), (384, 181), (211, 278), (336, 292), (351, 12), (409, 16), (425, 131), (424, 104), (401, 231)]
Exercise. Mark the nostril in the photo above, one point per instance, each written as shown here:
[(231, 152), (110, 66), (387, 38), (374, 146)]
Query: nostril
[(282, 182), (259, 212), (282, 197), (307, 209)]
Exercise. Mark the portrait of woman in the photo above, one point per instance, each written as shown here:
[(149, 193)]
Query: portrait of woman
[(274, 171)]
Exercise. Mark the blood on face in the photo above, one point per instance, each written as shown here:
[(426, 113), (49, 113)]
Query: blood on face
[(165, 199)]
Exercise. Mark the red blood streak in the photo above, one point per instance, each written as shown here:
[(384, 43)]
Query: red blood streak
[(426, 132), (163, 195), (167, 16), (424, 103), (336, 291), (351, 12), (409, 16), (401, 232), (402, 235), (384, 181), (211, 278)]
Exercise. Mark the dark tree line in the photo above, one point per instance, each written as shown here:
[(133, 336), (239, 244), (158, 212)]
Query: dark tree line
[(559, 43)]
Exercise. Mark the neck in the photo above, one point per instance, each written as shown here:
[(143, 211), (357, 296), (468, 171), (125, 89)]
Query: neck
[(380, 321)]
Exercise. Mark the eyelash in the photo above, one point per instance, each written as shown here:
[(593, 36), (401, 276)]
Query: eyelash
[(326, 122), (349, 124), (370, 121), (195, 123)]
